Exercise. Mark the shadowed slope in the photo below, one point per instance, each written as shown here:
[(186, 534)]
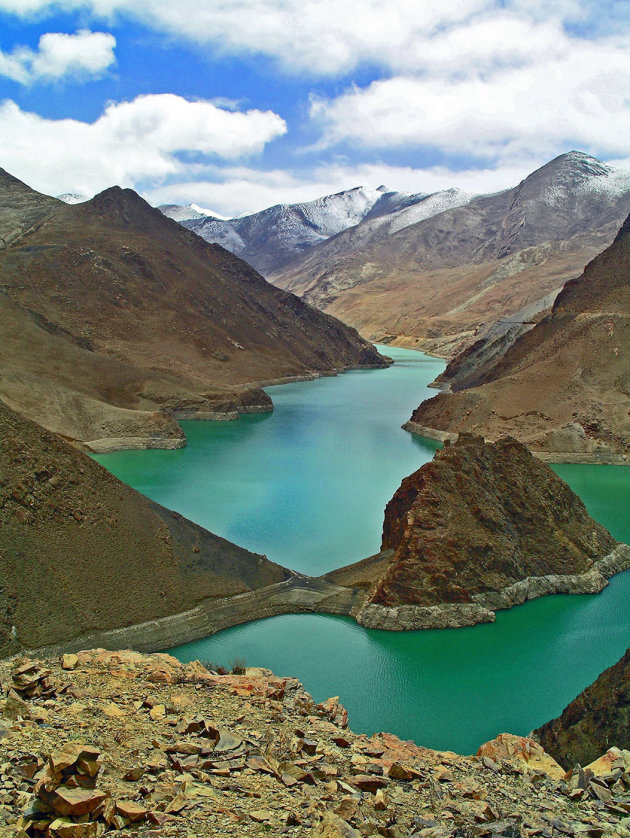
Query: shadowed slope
[(563, 387), (177, 323), (80, 551)]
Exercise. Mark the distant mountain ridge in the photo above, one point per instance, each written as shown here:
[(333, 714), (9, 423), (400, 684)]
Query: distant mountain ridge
[(435, 284), (114, 319), (272, 238), (562, 388)]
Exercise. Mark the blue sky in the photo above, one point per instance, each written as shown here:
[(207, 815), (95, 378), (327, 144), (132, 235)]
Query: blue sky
[(240, 104)]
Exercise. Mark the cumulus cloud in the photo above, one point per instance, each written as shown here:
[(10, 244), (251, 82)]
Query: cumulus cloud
[(574, 96), (82, 55), (130, 142), (326, 37), (321, 37)]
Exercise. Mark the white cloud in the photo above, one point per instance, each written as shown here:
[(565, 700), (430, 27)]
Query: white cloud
[(327, 37), (130, 142), (84, 54), (321, 37), (574, 97)]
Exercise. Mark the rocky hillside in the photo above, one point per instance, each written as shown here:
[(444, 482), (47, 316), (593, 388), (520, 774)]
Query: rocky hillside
[(563, 387), (599, 716), (438, 283), (109, 312), (82, 553), (274, 237), (102, 742), (482, 527)]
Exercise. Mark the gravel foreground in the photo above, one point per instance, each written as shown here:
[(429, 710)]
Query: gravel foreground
[(101, 742)]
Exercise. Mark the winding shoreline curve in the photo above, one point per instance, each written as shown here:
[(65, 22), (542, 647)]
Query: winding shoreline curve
[(306, 594)]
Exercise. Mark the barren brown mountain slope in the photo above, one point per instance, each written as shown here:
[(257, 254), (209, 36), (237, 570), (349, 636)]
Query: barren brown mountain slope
[(128, 311), (484, 526), (599, 716), (435, 284), (82, 552), (563, 388)]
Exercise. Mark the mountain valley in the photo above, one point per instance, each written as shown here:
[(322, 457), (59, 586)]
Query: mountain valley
[(135, 320), (562, 388), (438, 283)]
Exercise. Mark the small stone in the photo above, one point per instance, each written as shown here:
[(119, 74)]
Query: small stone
[(261, 815), (73, 802), (69, 661), (368, 782), (380, 801), (16, 707), (134, 774), (397, 771), (347, 809), (333, 826), (113, 711), (130, 810), (227, 741)]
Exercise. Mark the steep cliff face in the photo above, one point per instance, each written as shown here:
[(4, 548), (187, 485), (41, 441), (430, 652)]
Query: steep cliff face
[(563, 387), (128, 311), (484, 526), (82, 552), (599, 718)]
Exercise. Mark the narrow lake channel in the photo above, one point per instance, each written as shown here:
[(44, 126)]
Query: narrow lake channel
[(307, 486)]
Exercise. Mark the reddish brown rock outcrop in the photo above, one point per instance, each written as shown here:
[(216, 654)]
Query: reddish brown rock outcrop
[(482, 527), (599, 718)]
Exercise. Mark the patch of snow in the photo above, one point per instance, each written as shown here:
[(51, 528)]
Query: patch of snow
[(431, 205), (208, 212), (217, 231), (180, 213), (72, 198)]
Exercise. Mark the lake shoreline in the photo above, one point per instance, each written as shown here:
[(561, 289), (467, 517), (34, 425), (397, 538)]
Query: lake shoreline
[(315, 595), (587, 458)]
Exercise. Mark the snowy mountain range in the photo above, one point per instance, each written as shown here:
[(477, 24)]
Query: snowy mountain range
[(271, 239)]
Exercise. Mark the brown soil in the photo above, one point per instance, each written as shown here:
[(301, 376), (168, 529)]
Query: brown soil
[(80, 551), (109, 306), (563, 386)]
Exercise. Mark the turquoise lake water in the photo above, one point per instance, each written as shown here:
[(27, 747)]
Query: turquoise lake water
[(307, 486)]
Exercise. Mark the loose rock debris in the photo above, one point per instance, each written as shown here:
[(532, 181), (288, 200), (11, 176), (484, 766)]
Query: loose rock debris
[(101, 742)]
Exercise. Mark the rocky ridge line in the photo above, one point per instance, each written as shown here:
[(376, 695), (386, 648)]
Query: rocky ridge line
[(562, 388), (115, 321)]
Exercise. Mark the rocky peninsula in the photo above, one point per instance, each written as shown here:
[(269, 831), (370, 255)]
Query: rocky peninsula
[(100, 742), (484, 526), (86, 560)]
